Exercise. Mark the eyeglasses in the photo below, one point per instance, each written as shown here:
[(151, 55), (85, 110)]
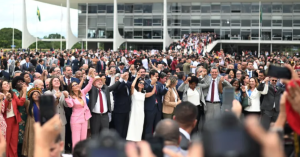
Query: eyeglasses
[(141, 83), (274, 80), (74, 85)]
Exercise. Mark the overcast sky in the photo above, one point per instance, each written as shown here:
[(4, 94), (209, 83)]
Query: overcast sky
[(11, 16)]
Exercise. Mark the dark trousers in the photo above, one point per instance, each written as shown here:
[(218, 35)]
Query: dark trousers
[(68, 133), (98, 122), (151, 119), (246, 113), (120, 122), (200, 119), (267, 117)]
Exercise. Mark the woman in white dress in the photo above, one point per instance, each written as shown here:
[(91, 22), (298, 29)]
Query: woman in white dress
[(136, 121)]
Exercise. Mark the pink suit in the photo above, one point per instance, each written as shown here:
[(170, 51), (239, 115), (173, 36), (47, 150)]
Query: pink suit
[(80, 115)]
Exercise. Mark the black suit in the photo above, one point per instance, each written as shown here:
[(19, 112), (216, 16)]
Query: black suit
[(184, 143), (99, 121), (122, 107), (75, 65), (99, 67), (270, 104)]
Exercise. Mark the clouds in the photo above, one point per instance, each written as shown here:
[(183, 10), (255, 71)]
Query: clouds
[(50, 17)]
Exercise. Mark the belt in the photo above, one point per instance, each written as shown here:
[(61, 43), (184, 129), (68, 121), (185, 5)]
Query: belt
[(100, 113), (217, 102)]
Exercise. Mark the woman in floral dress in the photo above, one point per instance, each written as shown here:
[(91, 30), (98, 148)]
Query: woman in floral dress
[(2, 120)]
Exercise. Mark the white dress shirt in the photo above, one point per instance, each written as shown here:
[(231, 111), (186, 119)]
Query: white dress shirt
[(97, 105), (10, 113), (216, 93), (66, 80), (175, 95), (186, 134)]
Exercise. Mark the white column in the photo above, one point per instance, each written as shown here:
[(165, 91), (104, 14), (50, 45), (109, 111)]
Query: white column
[(86, 26), (118, 39), (271, 48), (27, 38), (70, 38), (167, 40)]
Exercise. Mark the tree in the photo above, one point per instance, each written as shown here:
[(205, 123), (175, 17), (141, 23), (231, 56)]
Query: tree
[(6, 35)]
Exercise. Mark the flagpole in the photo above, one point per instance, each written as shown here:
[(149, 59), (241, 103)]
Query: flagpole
[(61, 28), (13, 33), (259, 31), (36, 44)]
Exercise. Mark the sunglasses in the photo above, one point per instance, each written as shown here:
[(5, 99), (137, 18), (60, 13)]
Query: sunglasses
[(141, 83), (274, 80), (74, 85)]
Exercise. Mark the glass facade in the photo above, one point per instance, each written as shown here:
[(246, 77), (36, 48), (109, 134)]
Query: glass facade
[(231, 21)]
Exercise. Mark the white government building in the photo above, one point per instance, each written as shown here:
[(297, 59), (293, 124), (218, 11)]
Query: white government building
[(155, 24)]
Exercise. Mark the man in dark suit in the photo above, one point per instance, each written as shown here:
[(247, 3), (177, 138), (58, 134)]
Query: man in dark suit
[(161, 90), (26, 65), (270, 103), (40, 67), (122, 106), (75, 64), (185, 114), (68, 79), (86, 61), (121, 68), (100, 104), (150, 105), (100, 66)]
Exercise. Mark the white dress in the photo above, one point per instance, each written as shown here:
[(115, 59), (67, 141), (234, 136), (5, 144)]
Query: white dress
[(136, 121)]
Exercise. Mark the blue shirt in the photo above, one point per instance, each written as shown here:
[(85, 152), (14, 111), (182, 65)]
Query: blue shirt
[(249, 92)]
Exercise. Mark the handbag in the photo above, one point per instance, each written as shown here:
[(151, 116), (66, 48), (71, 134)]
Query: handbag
[(246, 101)]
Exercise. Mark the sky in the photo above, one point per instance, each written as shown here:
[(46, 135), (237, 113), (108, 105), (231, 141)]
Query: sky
[(11, 16)]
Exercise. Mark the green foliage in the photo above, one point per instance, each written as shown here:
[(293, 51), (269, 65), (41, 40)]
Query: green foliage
[(6, 37)]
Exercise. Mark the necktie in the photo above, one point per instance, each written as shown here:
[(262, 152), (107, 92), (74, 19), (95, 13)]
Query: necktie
[(69, 81), (275, 89), (27, 65), (101, 102), (212, 91)]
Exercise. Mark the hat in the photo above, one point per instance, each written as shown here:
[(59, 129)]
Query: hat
[(97, 78), (32, 90), (291, 115), (16, 80)]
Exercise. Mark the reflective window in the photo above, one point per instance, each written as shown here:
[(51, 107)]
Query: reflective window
[(157, 34), (109, 34), (121, 7), (296, 22), (92, 8), (215, 23), (235, 7), (225, 8), (235, 34), (157, 21), (82, 8), (101, 33), (195, 8), (176, 8), (276, 8), (215, 8), (128, 35), (254, 34), (226, 22), (266, 7), (266, 23), (147, 21), (138, 21), (287, 23), (205, 8), (109, 9), (147, 8), (235, 22), (287, 8), (185, 31), (147, 34), (82, 19), (276, 34), (185, 8), (277, 22), (109, 22), (128, 8), (246, 23), (175, 32), (157, 8), (121, 31), (128, 21), (195, 22), (296, 34), (255, 8), (137, 8), (185, 22), (296, 8), (254, 22), (92, 22), (205, 22), (287, 35), (138, 33), (246, 8)]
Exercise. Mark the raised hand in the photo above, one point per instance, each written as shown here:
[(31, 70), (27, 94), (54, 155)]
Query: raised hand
[(8, 96), (58, 94), (66, 94)]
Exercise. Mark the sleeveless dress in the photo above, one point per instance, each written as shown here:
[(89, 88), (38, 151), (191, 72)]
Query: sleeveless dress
[(136, 121)]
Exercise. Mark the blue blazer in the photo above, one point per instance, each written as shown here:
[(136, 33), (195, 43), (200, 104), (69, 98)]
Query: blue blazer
[(99, 67), (122, 98), (73, 79), (39, 69), (161, 90)]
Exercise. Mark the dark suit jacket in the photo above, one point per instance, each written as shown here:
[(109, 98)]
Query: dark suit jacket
[(75, 65), (184, 143), (5, 75), (118, 70), (122, 98), (130, 77), (89, 62), (94, 93), (39, 69), (99, 66), (271, 97), (161, 90), (24, 66), (73, 79)]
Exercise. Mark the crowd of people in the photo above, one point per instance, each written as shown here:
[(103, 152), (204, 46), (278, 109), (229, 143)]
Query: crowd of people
[(139, 94)]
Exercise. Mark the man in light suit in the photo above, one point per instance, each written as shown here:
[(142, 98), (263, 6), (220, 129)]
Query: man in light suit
[(270, 104), (185, 114), (100, 104), (210, 90), (169, 130), (26, 65)]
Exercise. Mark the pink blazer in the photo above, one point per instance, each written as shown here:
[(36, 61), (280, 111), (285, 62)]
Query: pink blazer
[(80, 114)]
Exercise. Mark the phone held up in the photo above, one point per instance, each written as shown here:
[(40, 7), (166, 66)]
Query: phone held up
[(47, 108), (278, 72)]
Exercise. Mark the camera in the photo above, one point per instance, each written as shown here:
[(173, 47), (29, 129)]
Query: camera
[(107, 144), (226, 136)]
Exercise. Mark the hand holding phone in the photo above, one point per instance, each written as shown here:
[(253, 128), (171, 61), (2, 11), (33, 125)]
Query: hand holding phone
[(228, 96)]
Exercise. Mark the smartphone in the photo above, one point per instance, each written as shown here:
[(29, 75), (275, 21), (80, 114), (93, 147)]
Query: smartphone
[(278, 72), (227, 98), (47, 108), (157, 145)]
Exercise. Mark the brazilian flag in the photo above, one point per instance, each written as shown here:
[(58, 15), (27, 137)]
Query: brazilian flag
[(38, 14)]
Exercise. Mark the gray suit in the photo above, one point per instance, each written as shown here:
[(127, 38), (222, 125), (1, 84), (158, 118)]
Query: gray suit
[(60, 110), (212, 109), (176, 150), (24, 66)]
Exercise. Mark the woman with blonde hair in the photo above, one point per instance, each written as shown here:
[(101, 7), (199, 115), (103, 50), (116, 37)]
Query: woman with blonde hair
[(171, 99)]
